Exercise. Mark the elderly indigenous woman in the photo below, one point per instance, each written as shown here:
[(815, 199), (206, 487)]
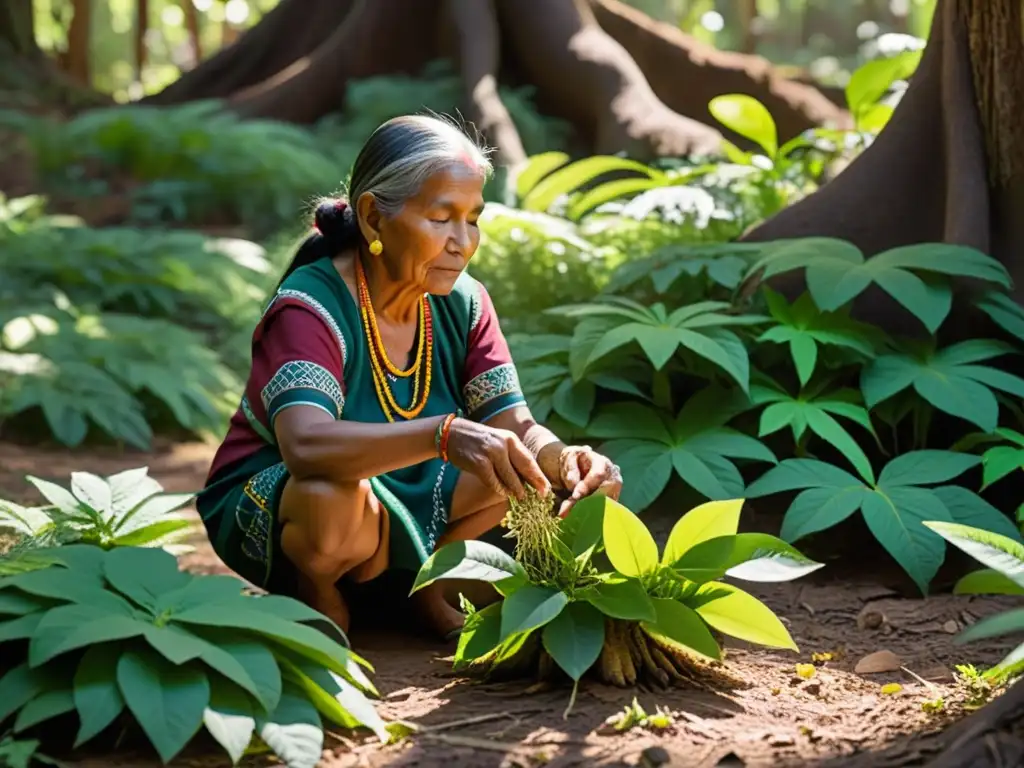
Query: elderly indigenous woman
[(383, 416)]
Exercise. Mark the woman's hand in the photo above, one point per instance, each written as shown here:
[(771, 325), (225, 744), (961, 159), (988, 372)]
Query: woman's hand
[(585, 472), (496, 456)]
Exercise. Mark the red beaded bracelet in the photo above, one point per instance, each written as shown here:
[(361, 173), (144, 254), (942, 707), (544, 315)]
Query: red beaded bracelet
[(446, 431)]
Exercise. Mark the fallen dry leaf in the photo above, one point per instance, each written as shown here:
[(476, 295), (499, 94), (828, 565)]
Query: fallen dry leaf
[(879, 661)]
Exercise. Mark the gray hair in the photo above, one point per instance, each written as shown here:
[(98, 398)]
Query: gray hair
[(403, 153)]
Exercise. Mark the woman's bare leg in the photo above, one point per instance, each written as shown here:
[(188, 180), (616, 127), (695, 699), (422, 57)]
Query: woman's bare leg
[(476, 509), (330, 530)]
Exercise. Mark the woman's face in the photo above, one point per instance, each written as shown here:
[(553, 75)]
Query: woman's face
[(431, 240)]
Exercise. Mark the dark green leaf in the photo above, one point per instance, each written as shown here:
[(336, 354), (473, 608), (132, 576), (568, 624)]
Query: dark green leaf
[(97, 696), (474, 560), (574, 638), (626, 599), (529, 608), (167, 701), (480, 635), (894, 515), (679, 623), (143, 575), (73, 626), (45, 706)]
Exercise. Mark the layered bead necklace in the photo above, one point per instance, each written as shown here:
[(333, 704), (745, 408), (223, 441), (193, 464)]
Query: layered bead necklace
[(380, 362)]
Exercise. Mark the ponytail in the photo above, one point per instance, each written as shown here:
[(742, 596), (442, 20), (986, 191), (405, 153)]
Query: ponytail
[(334, 230)]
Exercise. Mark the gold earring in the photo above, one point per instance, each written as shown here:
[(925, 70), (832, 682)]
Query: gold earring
[(376, 248)]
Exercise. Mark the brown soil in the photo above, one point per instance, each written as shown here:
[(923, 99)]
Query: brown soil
[(837, 718)]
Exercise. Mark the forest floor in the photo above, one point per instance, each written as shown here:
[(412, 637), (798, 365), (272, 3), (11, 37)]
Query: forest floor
[(835, 719)]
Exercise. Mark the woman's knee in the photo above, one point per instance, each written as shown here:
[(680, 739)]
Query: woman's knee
[(330, 522)]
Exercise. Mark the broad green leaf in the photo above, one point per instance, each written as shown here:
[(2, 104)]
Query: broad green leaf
[(926, 467), (21, 628), (999, 462), (230, 719), (70, 627), (45, 706), (480, 635), (1004, 623), (574, 401), (334, 696), (93, 492), (987, 581), (574, 638), (255, 657), (795, 474), (569, 178), (21, 684), (536, 169), (159, 531), (143, 575), (59, 497), (293, 731), (733, 612), (682, 624), (1000, 553), (130, 488), (626, 599), (949, 379), (64, 584), (167, 701), (627, 542), (15, 603), (871, 81), (96, 694), (749, 118), (529, 608), (581, 528), (756, 557), (475, 560), (968, 508), (818, 509), (307, 641), (646, 470), (895, 516), (707, 521)]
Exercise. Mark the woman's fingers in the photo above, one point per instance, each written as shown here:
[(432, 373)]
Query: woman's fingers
[(507, 475), (527, 467)]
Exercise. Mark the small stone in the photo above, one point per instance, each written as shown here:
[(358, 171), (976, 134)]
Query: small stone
[(782, 741), (870, 618), (813, 688), (951, 627), (654, 757), (879, 661)]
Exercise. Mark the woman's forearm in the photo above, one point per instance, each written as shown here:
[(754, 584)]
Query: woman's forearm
[(547, 448), (351, 451)]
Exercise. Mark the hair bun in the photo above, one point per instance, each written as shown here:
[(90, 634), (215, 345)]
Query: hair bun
[(334, 220)]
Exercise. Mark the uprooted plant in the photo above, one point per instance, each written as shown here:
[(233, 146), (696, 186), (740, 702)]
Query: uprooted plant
[(589, 592)]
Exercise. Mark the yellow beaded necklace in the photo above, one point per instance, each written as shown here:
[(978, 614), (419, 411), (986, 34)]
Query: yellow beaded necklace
[(379, 360)]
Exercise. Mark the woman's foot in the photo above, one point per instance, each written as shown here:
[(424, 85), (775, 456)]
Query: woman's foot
[(328, 601), (439, 614)]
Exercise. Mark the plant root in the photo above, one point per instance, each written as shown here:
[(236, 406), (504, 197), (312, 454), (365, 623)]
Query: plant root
[(630, 656)]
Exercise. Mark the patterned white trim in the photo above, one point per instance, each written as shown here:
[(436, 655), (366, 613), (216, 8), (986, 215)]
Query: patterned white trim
[(320, 309), (498, 381), (440, 514), (476, 309), (303, 374)]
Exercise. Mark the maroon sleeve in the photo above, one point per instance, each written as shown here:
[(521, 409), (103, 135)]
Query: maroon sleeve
[(491, 384), (297, 360)]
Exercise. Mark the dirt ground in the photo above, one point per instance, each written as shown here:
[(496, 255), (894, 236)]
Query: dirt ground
[(836, 718)]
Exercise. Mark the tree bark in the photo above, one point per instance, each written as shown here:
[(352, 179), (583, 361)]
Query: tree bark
[(686, 73), (295, 65), (923, 180), (141, 27), (79, 39), (584, 76), (365, 44), (17, 28), (292, 30), (194, 30), (984, 740), (479, 57)]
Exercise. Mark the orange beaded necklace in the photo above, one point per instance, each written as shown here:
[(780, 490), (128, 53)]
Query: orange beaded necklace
[(379, 360)]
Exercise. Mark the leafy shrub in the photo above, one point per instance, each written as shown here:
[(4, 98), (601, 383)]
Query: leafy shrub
[(689, 365), (1003, 576), (104, 634), (129, 508), (121, 328), (627, 614)]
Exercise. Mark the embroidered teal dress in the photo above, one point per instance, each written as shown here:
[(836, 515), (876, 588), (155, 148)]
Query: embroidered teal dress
[(309, 349)]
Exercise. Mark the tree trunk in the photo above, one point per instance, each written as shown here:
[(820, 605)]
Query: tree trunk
[(295, 64), (686, 73), (985, 739), (17, 28), (194, 30), (583, 75), (926, 177), (141, 27), (79, 39)]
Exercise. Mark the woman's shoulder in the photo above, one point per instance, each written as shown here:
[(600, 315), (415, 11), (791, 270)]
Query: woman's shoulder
[(466, 299)]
